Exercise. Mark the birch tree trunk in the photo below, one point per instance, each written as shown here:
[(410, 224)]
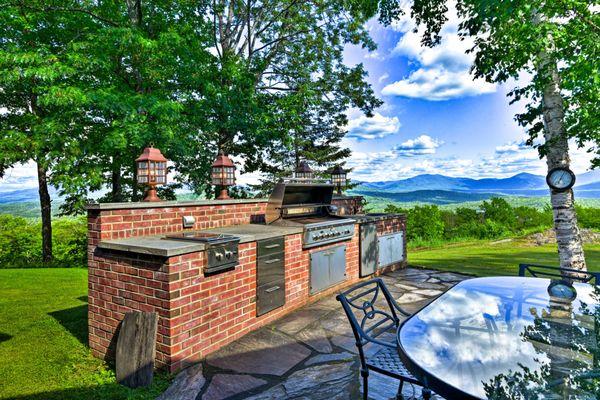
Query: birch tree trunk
[(568, 238)]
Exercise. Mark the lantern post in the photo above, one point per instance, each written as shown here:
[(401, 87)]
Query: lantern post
[(151, 171)]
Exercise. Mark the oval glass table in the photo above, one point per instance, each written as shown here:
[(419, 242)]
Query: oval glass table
[(507, 338)]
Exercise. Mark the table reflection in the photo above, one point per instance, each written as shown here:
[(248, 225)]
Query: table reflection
[(508, 338)]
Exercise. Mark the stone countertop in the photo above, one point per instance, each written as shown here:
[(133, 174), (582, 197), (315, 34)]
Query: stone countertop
[(374, 217), (158, 246)]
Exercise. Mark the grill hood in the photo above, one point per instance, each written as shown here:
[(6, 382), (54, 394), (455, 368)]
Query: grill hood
[(299, 196)]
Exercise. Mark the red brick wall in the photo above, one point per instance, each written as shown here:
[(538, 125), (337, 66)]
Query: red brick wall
[(197, 314), (349, 205), (114, 224)]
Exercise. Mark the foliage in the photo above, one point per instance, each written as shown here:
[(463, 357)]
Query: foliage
[(498, 210), (44, 335), (20, 242), (588, 217), (494, 219)]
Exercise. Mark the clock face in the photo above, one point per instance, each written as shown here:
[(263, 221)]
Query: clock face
[(562, 290), (561, 179)]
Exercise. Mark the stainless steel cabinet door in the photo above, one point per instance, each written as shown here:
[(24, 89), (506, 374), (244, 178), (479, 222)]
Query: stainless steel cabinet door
[(368, 249), (391, 249), (327, 267)]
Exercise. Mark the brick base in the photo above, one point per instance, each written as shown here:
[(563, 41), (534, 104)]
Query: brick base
[(197, 314)]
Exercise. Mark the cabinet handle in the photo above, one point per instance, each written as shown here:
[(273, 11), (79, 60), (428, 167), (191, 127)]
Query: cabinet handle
[(274, 288), (272, 261), (271, 246)]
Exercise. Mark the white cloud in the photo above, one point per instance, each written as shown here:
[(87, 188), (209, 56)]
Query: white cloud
[(379, 126), (383, 77), (443, 71), (513, 147), (424, 144), (437, 84), (20, 176)]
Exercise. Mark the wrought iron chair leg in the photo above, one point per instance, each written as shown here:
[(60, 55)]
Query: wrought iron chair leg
[(399, 393), (426, 393), (365, 375)]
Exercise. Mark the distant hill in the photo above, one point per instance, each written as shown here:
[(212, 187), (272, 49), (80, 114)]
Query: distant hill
[(24, 195), (439, 197), (523, 184)]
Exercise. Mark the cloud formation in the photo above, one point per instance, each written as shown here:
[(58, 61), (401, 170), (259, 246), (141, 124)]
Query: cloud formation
[(444, 71), (377, 127), (424, 144)]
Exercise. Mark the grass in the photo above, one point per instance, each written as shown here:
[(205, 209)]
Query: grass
[(485, 258), (43, 336)]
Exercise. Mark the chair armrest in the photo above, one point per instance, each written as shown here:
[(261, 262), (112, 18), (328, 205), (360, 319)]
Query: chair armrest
[(400, 309)]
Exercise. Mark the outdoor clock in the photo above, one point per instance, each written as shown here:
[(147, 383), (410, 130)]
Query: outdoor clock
[(562, 290), (560, 179)]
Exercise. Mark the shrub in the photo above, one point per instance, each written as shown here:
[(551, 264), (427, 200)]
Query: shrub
[(499, 211), (21, 242), (588, 217), (424, 222)]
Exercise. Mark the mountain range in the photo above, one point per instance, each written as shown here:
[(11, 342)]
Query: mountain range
[(524, 184), (438, 189)]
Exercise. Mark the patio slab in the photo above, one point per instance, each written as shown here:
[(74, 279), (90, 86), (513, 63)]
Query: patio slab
[(309, 354)]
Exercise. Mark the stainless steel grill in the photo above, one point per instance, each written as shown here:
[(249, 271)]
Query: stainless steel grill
[(307, 203)]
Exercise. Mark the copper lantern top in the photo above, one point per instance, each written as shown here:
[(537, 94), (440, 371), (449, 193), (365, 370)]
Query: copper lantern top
[(151, 171), (303, 170), (223, 171)]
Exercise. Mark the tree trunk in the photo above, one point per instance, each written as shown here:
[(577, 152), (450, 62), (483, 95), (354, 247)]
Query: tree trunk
[(568, 238), (116, 184), (46, 208)]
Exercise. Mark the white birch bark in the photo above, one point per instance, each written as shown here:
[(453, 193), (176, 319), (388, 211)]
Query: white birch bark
[(570, 248)]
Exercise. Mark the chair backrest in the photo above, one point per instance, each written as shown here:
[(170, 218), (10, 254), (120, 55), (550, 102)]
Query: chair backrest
[(542, 271), (371, 311)]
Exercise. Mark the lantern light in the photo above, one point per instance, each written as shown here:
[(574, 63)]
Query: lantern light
[(223, 174), (151, 171), (303, 171), (338, 178)]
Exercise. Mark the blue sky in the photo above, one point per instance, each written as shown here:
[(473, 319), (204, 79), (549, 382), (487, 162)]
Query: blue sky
[(435, 118)]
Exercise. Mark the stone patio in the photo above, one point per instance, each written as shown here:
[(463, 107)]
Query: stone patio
[(308, 354)]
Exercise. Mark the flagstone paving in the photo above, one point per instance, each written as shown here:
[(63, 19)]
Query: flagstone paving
[(309, 354)]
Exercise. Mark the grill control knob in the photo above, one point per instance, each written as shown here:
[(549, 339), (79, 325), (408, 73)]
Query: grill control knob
[(228, 254), (219, 256)]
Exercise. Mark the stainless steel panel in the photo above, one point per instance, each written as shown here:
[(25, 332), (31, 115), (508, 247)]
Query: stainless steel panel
[(337, 271), (391, 249), (327, 267), (270, 268), (222, 257), (270, 246), (369, 255), (270, 296)]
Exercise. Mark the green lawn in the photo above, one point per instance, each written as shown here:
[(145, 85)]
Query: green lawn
[(485, 258), (43, 336)]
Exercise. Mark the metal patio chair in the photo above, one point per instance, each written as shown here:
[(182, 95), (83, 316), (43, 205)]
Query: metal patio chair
[(359, 303), (544, 271)]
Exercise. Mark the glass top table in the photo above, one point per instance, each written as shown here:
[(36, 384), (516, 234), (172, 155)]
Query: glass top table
[(507, 338)]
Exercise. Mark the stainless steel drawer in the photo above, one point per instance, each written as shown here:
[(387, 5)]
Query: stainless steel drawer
[(270, 268), (270, 246), (270, 296)]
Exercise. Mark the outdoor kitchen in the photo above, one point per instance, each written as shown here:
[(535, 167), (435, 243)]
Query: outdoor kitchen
[(214, 270)]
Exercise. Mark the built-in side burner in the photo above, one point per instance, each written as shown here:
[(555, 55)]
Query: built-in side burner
[(221, 249)]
